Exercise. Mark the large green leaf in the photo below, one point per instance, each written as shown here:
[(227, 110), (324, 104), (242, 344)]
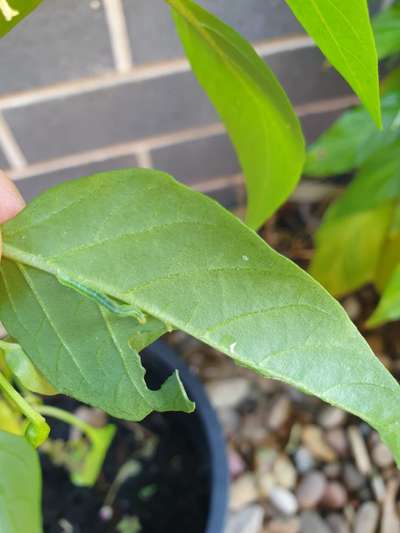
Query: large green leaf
[(386, 28), (146, 240), (342, 30), (13, 11), (20, 486), (253, 106), (84, 350), (352, 139)]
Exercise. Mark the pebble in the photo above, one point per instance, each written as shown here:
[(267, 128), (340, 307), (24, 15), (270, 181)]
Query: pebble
[(338, 523), (236, 464), (367, 517), (291, 525), (283, 500), (331, 417), (359, 450), (264, 460), (381, 455), (390, 518), (253, 429), (335, 495), (229, 420), (248, 520), (311, 489), (303, 460), (353, 478), (284, 472), (230, 392), (338, 440), (378, 487), (279, 413), (311, 522), (243, 492), (352, 307), (313, 439), (332, 470)]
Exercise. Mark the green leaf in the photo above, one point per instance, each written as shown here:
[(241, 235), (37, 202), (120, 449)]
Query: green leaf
[(344, 258), (386, 28), (20, 486), (23, 369), (343, 32), (82, 349), (142, 238), (13, 11), (352, 139), (389, 305), (376, 183), (252, 104)]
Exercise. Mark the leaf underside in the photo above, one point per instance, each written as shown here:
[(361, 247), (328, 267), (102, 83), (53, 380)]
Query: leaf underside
[(140, 237), (84, 350)]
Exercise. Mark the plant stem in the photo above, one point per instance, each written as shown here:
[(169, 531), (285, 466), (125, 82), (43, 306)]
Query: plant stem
[(38, 429), (68, 418)]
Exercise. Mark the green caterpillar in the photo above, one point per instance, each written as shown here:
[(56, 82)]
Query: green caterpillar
[(105, 301)]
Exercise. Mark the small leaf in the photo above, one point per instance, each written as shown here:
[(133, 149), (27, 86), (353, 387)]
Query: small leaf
[(377, 182), (23, 369), (84, 350), (140, 237), (352, 139), (13, 11), (20, 486), (252, 104), (386, 28), (342, 30), (389, 305)]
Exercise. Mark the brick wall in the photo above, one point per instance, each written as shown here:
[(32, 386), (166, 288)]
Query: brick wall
[(91, 85)]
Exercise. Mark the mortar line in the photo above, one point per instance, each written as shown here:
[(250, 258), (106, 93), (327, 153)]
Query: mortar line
[(139, 147), (123, 149), (10, 146), (118, 34), (144, 159), (136, 74)]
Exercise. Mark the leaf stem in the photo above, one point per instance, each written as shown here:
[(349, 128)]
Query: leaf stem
[(37, 430), (100, 438), (68, 418)]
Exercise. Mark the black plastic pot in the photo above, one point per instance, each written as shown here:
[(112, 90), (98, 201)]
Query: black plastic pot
[(203, 426), (188, 467)]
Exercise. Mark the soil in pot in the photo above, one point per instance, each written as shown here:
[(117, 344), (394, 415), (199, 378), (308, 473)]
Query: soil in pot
[(168, 493)]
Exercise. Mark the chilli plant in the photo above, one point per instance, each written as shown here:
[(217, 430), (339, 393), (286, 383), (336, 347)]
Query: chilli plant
[(96, 269), (359, 239)]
